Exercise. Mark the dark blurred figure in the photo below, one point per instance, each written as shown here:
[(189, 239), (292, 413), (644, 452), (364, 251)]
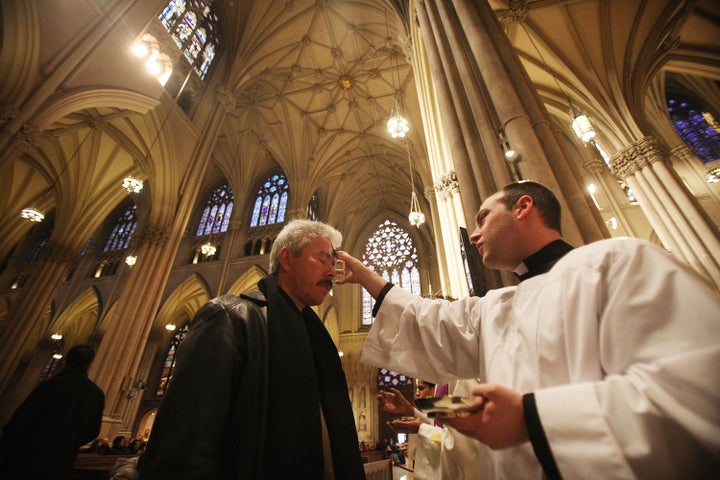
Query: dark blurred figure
[(63, 413), (120, 446), (99, 445)]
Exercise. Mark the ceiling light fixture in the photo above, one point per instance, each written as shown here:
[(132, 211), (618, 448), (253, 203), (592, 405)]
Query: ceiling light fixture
[(132, 184), (397, 125), (507, 149), (208, 249), (415, 217), (32, 215)]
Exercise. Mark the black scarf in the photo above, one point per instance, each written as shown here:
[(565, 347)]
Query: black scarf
[(305, 372)]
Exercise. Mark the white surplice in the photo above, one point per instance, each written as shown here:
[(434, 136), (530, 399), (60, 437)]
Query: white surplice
[(619, 342)]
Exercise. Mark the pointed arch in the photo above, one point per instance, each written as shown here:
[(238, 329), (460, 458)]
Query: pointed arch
[(247, 280), (77, 322), (181, 305)]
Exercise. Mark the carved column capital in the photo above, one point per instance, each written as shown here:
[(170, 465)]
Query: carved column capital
[(53, 253), (296, 213), (683, 152), (225, 98), (594, 166), (515, 13), (448, 185), (7, 113), (26, 137), (637, 156), (153, 236)]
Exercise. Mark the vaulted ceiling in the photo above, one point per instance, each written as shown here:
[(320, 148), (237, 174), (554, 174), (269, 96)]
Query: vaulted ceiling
[(313, 83)]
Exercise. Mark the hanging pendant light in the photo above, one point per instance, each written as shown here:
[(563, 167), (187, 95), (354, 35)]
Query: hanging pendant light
[(416, 217), (397, 125), (582, 126)]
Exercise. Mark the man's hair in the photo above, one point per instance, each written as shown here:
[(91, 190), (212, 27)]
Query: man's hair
[(545, 201), (297, 234), (80, 357)]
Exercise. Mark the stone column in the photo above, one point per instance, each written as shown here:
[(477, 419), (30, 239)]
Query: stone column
[(447, 196), (607, 183), (122, 344), (491, 92), (672, 210)]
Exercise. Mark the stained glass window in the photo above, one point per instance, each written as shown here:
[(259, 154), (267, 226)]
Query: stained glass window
[(271, 202), (123, 231), (387, 379), (195, 29), (169, 364), (51, 367), (697, 128), (217, 212), (313, 207), (391, 253), (42, 240)]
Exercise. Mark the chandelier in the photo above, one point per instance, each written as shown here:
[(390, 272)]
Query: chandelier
[(713, 176), (208, 249), (132, 184), (131, 260), (397, 125), (32, 215)]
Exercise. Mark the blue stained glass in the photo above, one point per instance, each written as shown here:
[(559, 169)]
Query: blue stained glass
[(217, 212), (172, 11), (387, 378), (203, 221), (191, 20), (283, 207), (271, 202), (123, 231), (256, 212), (272, 217), (211, 220), (197, 39), (698, 129), (265, 210), (169, 364), (389, 251), (226, 218), (313, 207), (415, 281)]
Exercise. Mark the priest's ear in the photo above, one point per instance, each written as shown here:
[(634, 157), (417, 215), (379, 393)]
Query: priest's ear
[(524, 206)]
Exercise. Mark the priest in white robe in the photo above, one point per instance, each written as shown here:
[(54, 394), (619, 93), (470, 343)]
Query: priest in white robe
[(601, 363)]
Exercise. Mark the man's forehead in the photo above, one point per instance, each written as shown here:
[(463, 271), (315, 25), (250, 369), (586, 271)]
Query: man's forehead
[(490, 201), (320, 245)]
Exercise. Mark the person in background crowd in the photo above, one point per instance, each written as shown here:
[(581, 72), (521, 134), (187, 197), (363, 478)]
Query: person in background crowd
[(64, 412)]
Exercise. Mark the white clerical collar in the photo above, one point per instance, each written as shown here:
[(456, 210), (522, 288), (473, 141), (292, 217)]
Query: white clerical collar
[(521, 269)]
